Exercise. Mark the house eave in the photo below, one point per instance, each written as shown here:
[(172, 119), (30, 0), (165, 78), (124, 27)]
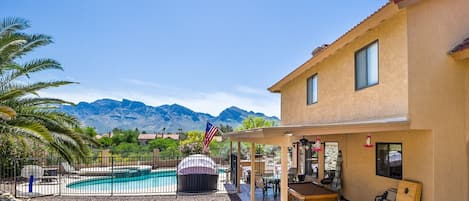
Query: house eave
[(372, 21), (287, 131)]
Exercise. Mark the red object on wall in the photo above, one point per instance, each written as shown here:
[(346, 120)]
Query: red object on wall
[(368, 142)]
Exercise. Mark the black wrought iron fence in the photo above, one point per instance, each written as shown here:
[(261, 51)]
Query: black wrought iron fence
[(113, 175)]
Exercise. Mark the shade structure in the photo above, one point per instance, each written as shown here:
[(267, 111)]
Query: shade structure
[(336, 182), (197, 164), (197, 173)]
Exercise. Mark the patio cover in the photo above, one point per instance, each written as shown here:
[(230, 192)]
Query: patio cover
[(276, 135), (283, 136)]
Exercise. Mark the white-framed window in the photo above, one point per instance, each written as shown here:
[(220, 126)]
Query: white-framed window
[(366, 66), (312, 89)]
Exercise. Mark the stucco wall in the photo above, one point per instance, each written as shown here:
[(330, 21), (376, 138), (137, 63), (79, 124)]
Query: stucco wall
[(437, 89), (467, 120), (338, 101), (359, 177)]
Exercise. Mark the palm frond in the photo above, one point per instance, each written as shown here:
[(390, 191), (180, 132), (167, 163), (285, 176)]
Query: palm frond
[(29, 130), (32, 67), (6, 113), (13, 24), (40, 101), (34, 41), (11, 43), (18, 90)]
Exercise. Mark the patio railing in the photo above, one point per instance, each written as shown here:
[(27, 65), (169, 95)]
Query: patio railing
[(97, 176)]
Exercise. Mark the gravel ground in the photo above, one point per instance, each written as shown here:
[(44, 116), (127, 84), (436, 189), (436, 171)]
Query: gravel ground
[(207, 197)]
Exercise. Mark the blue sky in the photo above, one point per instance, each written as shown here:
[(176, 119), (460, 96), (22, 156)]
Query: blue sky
[(206, 55)]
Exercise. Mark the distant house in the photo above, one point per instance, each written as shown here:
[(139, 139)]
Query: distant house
[(143, 139), (103, 135), (169, 135)]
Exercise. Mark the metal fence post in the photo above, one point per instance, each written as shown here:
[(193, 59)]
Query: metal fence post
[(58, 175), (14, 174), (112, 175)]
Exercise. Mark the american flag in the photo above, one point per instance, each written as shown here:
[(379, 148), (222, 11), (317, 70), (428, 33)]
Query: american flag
[(210, 131)]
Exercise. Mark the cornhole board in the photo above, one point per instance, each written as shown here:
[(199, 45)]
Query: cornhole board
[(409, 191)]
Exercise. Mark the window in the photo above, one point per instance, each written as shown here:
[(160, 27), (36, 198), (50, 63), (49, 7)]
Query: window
[(389, 160), (366, 66), (312, 96)]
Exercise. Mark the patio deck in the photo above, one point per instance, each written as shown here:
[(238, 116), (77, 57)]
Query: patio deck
[(245, 193)]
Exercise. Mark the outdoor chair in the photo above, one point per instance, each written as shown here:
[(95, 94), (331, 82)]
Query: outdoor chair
[(37, 172), (388, 195), (292, 175), (70, 170)]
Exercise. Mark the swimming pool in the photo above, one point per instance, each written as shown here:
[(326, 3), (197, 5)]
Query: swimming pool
[(154, 179)]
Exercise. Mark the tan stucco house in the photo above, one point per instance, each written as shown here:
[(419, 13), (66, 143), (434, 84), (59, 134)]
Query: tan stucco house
[(400, 76)]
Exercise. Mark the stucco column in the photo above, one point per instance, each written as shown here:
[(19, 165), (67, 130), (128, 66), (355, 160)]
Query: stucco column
[(238, 168), (253, 172), (284, 173), (321, 162)]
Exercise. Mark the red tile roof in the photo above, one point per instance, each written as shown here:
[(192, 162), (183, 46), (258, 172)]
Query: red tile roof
[(462, 46)]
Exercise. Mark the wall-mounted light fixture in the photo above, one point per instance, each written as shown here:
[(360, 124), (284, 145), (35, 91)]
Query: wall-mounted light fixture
[(288, 133), (368, 141)]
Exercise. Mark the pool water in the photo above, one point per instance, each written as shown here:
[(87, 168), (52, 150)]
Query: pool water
[(151, 180), (154, 179)]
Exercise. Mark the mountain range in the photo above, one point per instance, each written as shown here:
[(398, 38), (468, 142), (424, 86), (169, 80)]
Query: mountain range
[(106, 114)]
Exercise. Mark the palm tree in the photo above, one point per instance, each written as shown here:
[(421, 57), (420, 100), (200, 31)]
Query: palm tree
[(24, 115)]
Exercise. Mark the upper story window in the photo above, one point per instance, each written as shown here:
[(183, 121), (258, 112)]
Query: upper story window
[(312, 96), (366, 66)]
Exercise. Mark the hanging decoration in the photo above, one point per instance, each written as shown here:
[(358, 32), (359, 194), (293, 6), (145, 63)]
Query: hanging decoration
[(317, 145), (368, 142), (304, 142)]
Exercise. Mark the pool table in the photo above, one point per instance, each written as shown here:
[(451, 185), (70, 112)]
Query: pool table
[(310, 192)]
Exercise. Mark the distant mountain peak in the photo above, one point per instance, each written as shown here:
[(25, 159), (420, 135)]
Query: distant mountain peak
[(106, 114)]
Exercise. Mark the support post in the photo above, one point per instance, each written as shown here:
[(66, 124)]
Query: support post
[(253, 172), (238, 168), (284, 173), (229, 178)]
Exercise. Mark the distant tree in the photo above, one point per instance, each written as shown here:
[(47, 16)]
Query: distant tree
[(225, 128), (255, 122), (252, 122), (193, 144), (162, 144), (125, 149), (193, 136), (105, 142), (144, 132), (170, 153), (120, 136), (89, 131)]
